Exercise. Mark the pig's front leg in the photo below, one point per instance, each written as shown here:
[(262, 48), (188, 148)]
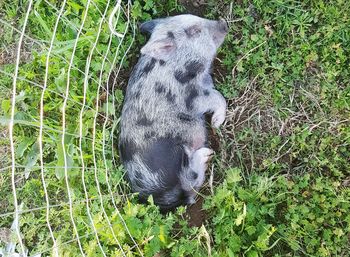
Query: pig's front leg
[(217, 105), (211, 100)]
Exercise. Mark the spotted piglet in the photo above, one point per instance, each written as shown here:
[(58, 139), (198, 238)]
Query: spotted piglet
[(163, 134)]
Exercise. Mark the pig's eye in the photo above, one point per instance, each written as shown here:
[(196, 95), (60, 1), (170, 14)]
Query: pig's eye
[(193, 31)]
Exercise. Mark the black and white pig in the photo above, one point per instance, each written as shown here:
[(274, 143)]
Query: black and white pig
[(163, 135)]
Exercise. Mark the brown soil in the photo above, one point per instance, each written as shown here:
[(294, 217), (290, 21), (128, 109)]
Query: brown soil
[(5, 235), (196, 7), (195, 215), (8, 54), (4, 148)]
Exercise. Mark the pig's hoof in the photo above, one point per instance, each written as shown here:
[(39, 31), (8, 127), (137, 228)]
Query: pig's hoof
[(203, 155), (218, 118), (191, 200)]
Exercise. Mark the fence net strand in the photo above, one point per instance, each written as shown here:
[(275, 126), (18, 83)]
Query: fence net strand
[(61, 180)]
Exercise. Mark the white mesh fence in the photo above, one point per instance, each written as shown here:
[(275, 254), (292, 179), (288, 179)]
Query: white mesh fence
[(60, 181)]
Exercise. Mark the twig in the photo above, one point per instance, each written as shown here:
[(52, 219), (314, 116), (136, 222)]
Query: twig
[(211, 179), (244, 56)]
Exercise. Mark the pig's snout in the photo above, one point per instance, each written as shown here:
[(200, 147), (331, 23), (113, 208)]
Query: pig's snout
[(222, 26), (219, 30)]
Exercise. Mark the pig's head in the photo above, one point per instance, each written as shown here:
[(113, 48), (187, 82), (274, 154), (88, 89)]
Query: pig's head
[(183, 36)]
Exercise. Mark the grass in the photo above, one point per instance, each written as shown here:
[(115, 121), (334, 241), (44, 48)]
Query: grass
[(279, 184)]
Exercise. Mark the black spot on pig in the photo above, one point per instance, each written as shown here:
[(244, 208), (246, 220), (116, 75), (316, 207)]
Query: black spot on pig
[(170, 97), (149, 66), (185, 160), (193, 68), (144, 121), (149, 134), (193, 175), (184, 117), (162, 62), (148, 26), (164, 156), (193, 31), (127, 150), (182, 77), (171, 35), (168, 200), (206, 92), (193, 93), (159, 88)]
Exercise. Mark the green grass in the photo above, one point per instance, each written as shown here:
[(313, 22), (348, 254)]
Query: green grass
[(281, 172)]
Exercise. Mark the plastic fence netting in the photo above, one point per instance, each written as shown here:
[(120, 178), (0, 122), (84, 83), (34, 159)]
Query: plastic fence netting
[(61, 190)]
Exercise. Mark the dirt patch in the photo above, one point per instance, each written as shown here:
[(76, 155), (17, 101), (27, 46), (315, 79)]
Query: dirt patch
[(5, 235), (196, 7), (8, 53), (195, 215), (346, 182), (120, 81), (4, 148), (220, 71)]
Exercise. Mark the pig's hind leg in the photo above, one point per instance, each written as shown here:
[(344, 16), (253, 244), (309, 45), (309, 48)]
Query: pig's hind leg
[(193, 172)]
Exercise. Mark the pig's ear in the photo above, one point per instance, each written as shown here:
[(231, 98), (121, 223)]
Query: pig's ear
[(159, 49), (148, 26)]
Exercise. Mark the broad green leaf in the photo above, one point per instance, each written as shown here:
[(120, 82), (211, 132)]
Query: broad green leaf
[(241, 217), (61, 165), (230, 253), (233, 175), (23, 146), (6, 105), (252, 253), (31, 158), (240, 67)]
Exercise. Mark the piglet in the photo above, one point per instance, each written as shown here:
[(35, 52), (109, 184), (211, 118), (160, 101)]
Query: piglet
[(163, 135)]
